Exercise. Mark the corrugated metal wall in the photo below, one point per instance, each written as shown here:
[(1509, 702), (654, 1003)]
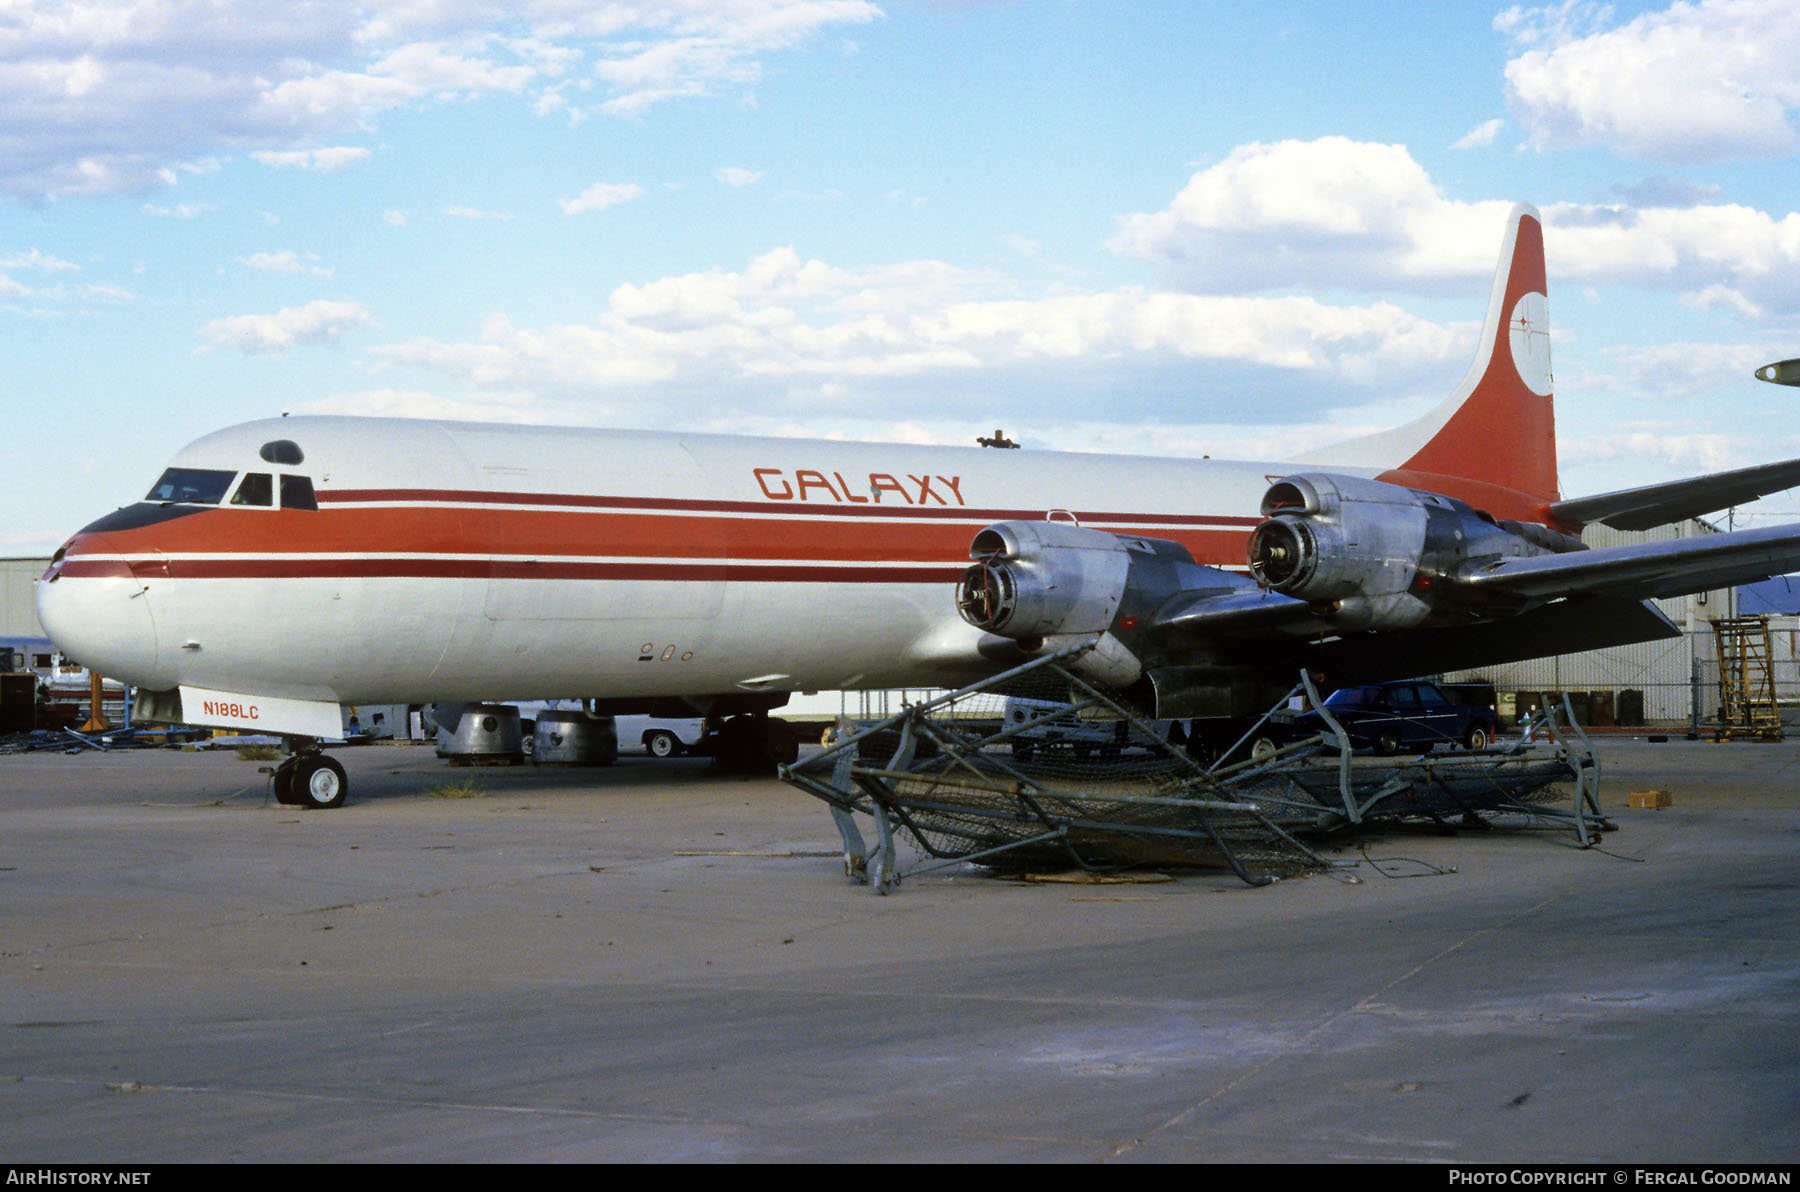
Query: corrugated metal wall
[(1662, 670), (18, 607), (1672, 674)]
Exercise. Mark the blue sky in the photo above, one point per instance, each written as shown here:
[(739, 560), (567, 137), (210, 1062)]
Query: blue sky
[(1182, 228)]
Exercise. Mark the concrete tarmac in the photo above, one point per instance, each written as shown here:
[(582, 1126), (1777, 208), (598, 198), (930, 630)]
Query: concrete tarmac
[(651, 962)]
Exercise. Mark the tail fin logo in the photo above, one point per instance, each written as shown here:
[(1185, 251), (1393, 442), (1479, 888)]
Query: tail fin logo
[(1529, 338)]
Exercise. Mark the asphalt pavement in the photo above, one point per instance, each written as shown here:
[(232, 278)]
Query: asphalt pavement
[(650, 962)]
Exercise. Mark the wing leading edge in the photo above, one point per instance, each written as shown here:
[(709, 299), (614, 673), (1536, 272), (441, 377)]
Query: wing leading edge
[(1660, 504), (1645, 570)]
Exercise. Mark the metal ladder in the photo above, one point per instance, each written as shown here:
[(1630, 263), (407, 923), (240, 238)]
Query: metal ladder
[(1747, 707)]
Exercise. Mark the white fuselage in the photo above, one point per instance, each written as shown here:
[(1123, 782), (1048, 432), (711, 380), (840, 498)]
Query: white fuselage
[(457, 561)]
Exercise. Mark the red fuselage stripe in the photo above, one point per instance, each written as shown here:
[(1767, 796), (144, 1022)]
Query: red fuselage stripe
[(263, 568), (402, 537), (449, 540), (426, 496)]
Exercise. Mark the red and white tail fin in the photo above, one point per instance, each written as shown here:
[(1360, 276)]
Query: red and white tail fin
[(1493, 443)]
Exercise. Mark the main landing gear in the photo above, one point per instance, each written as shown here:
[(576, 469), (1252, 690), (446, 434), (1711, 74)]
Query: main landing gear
[(754, 745), (310, 779)]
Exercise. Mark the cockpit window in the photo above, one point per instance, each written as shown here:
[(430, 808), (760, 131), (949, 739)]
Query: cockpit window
[(297, 493), (191, 486), (282, 451), (258, 489)]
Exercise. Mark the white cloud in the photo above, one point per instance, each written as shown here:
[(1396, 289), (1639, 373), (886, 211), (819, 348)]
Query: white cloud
[(52, 298), (735, 176), (1338, 213), (286, 261), (1664, 191), (1684, 451), (790, 341), (1725, 298), (700, 48), (1692, 249), (1025, 246), (321, 322), (1326, 213), (1673, 371), (1696, 82), (428, 67), (178, 211), (108, 96), (600, 196), (1481, 136), (33, 258), (456, 212), (787, 330), (324, 161)]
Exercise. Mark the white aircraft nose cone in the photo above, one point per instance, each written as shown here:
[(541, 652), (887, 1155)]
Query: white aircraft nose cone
[(102, 622)]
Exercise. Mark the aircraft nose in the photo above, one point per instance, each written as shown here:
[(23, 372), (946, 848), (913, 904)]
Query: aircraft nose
[(98, 614)]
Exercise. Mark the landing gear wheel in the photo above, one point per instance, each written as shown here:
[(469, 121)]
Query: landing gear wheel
[(755, 745), (284, 785), (662, 743), (743, 747), (1204, 751), (319, 782), (784, 742)]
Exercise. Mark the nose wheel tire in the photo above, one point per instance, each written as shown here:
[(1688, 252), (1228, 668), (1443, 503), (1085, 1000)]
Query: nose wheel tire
[(754, 745), (318, 782), (284, 786)]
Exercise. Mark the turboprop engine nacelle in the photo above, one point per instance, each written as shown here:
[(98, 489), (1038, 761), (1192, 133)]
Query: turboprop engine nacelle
[(1051, 583), (1371, 555)]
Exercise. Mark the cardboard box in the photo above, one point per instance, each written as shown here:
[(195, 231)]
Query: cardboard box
[(1652, 799)]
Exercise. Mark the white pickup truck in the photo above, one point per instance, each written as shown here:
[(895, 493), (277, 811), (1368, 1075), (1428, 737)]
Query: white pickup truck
[(663, 738)]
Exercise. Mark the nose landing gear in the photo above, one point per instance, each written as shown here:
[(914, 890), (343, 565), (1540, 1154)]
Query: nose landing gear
[(310, 779), (754, 745)]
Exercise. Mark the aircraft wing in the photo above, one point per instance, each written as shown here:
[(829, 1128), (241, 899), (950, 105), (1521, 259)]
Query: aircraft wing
[(1660, 504), (1561, 627), (1645, 570), (1247, 611)]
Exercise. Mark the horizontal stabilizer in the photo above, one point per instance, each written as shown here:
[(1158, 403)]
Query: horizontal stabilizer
[(1651, 569), (1660, 504)]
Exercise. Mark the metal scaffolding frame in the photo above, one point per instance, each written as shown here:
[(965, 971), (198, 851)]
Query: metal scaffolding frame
[(969, 777)]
